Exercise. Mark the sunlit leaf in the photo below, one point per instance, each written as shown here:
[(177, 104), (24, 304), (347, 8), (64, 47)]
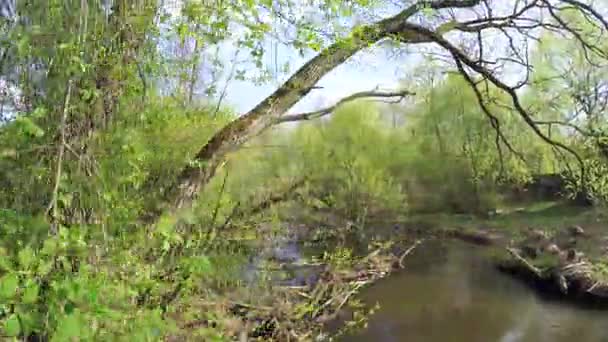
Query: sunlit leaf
[(69, 327), (8, 286), (29, 127), (12, 327), (26, 257), (30, 294)]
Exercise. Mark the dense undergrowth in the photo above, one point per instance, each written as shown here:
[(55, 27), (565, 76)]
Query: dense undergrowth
[(110, 110), (105, 276)]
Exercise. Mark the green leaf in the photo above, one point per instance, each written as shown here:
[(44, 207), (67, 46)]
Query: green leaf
[(23, 44), (29, 127), (315, 46), (200, 265), (68, 327), (427, 11), (49, 247), (30, 321), (30, 295), (39, 112), (12, 326), (26, 257), (8, 286), (5, 263), (45, 267)]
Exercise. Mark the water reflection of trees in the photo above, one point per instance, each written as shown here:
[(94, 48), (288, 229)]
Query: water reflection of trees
[(451, 292)]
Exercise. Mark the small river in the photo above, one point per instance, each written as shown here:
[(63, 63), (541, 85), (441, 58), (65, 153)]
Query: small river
[(450, 292)]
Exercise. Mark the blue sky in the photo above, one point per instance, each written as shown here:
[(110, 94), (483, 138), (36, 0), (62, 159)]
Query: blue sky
[(364, 72)]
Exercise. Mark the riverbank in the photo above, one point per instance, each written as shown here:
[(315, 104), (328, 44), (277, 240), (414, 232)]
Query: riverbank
[(552, 246), (451, 290), (314, 276), (298, 286), (557, 249)]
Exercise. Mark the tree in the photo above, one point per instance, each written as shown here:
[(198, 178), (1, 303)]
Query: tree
[(446, 24)]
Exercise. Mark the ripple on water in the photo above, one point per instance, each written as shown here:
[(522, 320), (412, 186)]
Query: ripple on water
[(451, 292)]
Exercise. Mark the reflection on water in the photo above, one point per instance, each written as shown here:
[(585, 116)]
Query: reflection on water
[(450, 292)]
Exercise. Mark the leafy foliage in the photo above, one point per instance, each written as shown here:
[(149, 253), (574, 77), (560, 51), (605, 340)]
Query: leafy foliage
[(93, 143)]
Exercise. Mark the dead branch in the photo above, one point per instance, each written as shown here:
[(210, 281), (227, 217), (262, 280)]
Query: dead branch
[(226, 84), (325, 111), (579, 129), (408, 252), (538, 273)]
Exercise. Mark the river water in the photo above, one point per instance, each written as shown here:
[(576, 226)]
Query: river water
[(450, 292)]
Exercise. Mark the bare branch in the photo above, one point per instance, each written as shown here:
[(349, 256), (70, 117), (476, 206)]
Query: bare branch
[(460, 56), (325, 111), (587, 8), (494, 122), (227, 83), (52, 209), (567, 124)]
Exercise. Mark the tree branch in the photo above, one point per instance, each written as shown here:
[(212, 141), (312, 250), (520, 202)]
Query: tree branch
[(192, 179), (587, 8), (52, 209), (580, 130), (461, 57), (197, 174), (328, 110)]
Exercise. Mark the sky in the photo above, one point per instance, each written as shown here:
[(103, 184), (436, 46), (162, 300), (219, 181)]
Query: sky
[(365, 71)]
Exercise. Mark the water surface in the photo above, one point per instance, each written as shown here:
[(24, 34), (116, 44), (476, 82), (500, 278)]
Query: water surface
[(450, 292)]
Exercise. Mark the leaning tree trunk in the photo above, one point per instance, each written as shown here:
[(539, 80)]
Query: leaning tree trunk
[(193, 178)]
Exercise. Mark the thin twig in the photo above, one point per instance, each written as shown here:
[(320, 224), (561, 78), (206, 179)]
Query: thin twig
[(53, 204), (325, 111), (225, 89), (219, 198), (408, 251)]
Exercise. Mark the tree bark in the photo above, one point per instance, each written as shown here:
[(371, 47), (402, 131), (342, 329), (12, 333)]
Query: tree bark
[(193, 178)]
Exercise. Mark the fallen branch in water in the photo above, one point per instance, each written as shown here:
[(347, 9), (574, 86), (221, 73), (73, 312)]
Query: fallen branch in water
[(358, 285), (408, 251), (537, 272), (301, 312), (575, 278)]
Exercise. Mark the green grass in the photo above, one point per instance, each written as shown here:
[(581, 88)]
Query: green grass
[(600, 271), (547, 216)]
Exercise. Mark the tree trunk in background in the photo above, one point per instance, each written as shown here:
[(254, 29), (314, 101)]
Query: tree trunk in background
[(112, 73)]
